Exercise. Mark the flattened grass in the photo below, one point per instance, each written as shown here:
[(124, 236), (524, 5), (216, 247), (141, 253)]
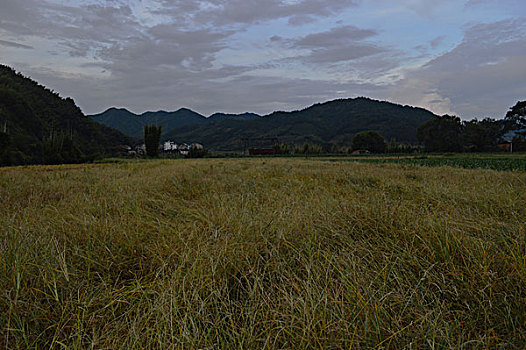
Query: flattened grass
[(261, 253)]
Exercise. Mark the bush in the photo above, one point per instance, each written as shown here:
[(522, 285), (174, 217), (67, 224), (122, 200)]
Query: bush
[(371, 141)]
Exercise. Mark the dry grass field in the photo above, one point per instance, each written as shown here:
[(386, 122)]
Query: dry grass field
[(261, 254)]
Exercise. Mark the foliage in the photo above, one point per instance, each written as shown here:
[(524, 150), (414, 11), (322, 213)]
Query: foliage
[(519, 143), (59, 148), (4, 148), (31, 112), (252, 254), (308, 148), (282, 148), (481, 136), (516, 118), (371, 141), (441, 134), (152, 139), (196, 152)]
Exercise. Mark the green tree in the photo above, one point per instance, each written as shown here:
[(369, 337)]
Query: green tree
[(481, 136), (152, 138), (282, 148), (515, 119), (441, 134), (371, 141), (196, 152), (59, 148), (4, 148)]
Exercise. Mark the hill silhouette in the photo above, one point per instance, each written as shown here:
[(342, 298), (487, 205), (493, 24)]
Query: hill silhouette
[(42, 127), (333, 122), (133, 124)]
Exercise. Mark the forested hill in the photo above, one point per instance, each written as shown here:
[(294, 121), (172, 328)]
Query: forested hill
[(330, 122), (133, 124), (38, 126)]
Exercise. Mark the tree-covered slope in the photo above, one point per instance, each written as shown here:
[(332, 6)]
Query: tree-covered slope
[(38, 122), (218, 117), (331, 122)]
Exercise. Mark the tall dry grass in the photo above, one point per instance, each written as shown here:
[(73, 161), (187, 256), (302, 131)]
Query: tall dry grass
[(261, 253)]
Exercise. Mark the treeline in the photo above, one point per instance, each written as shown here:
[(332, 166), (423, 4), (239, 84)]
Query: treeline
[(441, 134), (363, 142), (37, 126), (450, 134)]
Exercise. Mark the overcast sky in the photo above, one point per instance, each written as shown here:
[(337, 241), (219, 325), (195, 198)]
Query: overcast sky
[(451, 56)]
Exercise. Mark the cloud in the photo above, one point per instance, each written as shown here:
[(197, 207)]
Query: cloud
[(483, 76), (256, 54), (15, 45), (337, 36), (299, 20), (343, 43), (436, 42), (231, 12)]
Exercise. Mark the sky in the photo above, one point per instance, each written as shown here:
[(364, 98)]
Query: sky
[(461, 57)]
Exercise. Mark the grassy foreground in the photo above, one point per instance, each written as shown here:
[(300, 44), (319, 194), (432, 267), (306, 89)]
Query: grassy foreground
[(261, 253)]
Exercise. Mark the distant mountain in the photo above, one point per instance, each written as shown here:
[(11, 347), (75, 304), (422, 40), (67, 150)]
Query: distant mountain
[(133, 124), (330, 122), (218, 117), (38, 126)]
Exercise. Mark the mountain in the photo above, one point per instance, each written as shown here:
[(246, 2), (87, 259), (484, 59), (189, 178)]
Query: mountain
[(330, 122), (218, 117), (39, 126), (133, 124)]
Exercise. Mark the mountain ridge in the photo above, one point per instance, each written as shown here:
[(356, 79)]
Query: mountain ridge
[(330, 122), (315, 123), (132, 124)]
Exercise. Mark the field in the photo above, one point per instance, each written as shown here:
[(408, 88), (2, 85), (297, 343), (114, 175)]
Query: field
[(462, 160), (264, 253)]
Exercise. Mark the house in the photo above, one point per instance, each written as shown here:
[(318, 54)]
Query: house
[(123, 148), (169, 147), (140, 149), (183, 148)]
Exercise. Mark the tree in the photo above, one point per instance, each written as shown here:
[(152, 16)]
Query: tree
[(441, 134), (282, 148), (4, 148), (308, 148), (516, 118), (152, 138), (481, 136), (59, 148), (196, 151), (371, 141)]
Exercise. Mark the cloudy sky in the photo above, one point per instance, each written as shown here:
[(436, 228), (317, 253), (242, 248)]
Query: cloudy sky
[(451, 56)]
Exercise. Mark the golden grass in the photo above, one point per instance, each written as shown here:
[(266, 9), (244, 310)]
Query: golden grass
[(261, 253)]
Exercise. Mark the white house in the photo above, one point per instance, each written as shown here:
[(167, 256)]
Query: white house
[(169, 146)]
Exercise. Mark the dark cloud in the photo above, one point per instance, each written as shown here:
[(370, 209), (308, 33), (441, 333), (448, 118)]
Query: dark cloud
[(301, 20), (342, 43), (334, 37)]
